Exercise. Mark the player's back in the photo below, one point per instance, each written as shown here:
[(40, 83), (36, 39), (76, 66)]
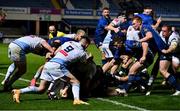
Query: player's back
[(147, 19), (29, 43), (70, 52)]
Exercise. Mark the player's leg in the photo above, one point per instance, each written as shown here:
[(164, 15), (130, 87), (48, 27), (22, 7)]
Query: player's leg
[(132, 72), (41, 89), (164, 65), (75, 89), (17, 55), (55, 87), (21, 69), (10, 71), (153, 76), (14, 56), (175, 63), (36, 76), (108, 65)]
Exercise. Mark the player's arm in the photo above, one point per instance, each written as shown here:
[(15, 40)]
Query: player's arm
[(147, 37), (157, 23), (111, 27), (47, 46), (57, 50), (145, 51), (171, 48)]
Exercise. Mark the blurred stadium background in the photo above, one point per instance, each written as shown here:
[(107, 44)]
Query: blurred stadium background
[(34, 16)]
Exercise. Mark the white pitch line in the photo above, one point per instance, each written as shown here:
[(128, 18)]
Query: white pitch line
[(122, 104), (21, 79), (101, 99)]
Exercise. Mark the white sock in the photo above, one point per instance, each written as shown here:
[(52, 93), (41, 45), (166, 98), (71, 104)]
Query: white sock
[(75, 90), (50, 86), (29, 89), (10, 71)]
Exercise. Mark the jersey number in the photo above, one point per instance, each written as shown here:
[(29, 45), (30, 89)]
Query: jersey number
[(66, 50)]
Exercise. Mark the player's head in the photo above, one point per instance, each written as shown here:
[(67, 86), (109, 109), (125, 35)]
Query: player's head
[(147, 10), (85, 41), (105, 12), (136, 22), (166, 31), (52, 29), (122, 17), (79, 34), (2, 16)]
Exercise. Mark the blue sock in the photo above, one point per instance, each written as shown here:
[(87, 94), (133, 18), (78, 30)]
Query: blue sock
[(104, 61), (172, 80), (131, 79), (137, 77)]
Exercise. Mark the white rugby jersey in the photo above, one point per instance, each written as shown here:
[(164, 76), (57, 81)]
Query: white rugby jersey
[(29, 43), (70, 52), (174, 37), (132, 34)]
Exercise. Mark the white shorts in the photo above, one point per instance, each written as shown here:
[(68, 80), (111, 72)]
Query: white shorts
[(15, 53), (175, 60), (53, 71)]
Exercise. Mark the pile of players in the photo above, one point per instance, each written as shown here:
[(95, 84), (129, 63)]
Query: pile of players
[(134, 44)]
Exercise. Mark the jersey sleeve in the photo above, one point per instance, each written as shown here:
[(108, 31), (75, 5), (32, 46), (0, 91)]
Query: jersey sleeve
[(115, 22), (103, 23)]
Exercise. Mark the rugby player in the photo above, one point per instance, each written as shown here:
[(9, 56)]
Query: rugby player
[(17, 53), (56, 68)]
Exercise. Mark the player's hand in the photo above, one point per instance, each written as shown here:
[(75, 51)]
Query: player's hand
[(164, 51), (159, 20), (142, 60), (49, 55)]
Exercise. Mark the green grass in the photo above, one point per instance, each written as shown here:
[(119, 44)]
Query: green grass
[(159, 100)]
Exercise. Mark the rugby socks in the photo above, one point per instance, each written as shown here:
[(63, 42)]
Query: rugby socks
[(131, 79), (104, 61), (172, 80), (29, 89), (10, 71), (54, 86), (75, 90)]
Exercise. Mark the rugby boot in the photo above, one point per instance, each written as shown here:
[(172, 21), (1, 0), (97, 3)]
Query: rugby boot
[(16, 95), (177, 93), (78, 102)]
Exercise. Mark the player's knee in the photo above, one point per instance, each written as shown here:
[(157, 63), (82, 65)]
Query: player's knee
[(163, 72), (76, 81)]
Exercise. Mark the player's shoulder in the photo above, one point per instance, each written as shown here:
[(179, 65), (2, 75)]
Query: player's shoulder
[(174, 36), (130, 28)]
